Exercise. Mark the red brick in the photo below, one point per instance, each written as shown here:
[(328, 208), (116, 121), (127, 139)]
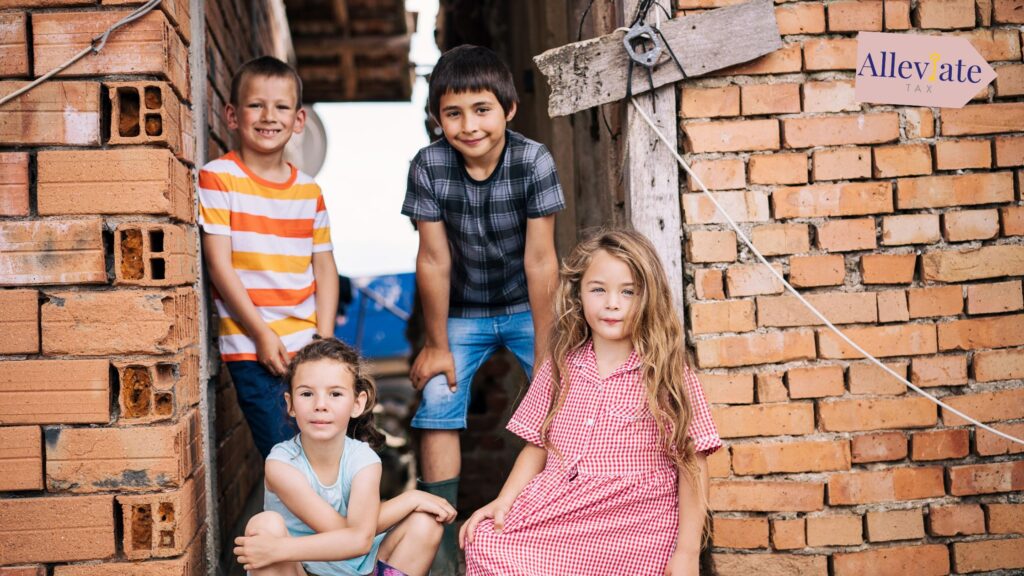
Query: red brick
[(855, 15), (956, 519), (940, 444), (888, 268), (781, 61), (960, 154), (754, 349), (710, 102), (751, 280), (19, 321), (33, 570), (54, 392), (823, 270), (119, 322), (740, 206), (897, 14), (944, 14), (778, 168), (85, 525), (905, 229), (919, 560), (840, 130), (1009, 151), (892, 306), (985, 406), (842, 164), (21, 458), (995, 332), (1008, 11), (764, 419), (942, 191), (985, 555), (983, 119), (876, 414), (770, 564), (750, 496), (52, 252), (939, 371), (880, 341), (725, 316), (936, 301), (1013, 220), (732, 136), (162, 525), (878, 447), (711, 246), (789, 534), (149, 254), (190, 564), (709, 284), (152, 389), (867, 378), (731, 388), (13, 44), (1010, 81), (986, 478), (838, 307), (149, 113), (834, 530), (724, 174), (973, 264), (116, 181), (830, 54), (777, 239), (770, 387), (739, 532), (989, 444), (887, 526), (55, 113), (821, 200), (885, 485), (800, 18), (790, 457), (830, 96), (965, 225), (1005, 518), (994, 298), (994, 44), (902, 160), (13, 182), (770, 99), (999, 365), (718, 464), (920, 122)]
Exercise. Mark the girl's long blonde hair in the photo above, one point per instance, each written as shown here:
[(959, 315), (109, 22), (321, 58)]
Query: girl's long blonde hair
[(654, 328)]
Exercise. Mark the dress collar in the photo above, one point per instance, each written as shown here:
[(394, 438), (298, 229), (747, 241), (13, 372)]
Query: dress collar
[(584, 357)]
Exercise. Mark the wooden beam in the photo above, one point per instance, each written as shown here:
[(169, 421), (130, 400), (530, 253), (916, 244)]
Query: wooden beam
[(592, 72), (341, 15), (321, 45)]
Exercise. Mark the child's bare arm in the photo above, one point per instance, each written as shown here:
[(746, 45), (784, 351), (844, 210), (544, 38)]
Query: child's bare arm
[(541, 264), (529, 463), (395, 510), (325, 272), (270, 351), (433, 274), (693, 497), (298, 496)]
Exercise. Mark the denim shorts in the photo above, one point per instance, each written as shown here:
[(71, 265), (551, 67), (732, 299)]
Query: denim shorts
[(472, 342)]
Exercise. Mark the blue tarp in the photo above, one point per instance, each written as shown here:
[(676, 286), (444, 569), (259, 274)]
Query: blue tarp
[(375, 321)]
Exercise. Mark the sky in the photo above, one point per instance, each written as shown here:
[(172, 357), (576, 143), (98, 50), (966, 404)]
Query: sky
[(369, 146)]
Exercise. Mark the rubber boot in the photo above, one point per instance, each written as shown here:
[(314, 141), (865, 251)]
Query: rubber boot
[(446, 562)]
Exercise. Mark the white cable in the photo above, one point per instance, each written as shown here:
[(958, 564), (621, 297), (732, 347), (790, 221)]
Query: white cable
[(95, 45), (672, 148)]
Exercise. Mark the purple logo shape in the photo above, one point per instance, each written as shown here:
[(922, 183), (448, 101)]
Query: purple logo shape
[(940, 71)]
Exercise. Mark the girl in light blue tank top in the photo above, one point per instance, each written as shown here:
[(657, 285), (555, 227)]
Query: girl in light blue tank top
[(322, 511)]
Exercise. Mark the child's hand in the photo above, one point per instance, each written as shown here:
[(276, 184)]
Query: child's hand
[(271, 353), (430, 362), (496, 509), (683, 564), (435, 506), (256, 551)]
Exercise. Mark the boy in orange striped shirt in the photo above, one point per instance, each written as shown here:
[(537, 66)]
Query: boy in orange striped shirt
[(267, 245)]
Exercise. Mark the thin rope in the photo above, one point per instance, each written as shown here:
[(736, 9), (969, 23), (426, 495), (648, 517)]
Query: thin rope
[(95, 45), (672, 148)]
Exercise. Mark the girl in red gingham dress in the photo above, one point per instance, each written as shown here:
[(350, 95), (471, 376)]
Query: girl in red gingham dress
[(613, 477)]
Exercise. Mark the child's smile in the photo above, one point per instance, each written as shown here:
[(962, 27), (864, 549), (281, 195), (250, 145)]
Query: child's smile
[(607, 291)]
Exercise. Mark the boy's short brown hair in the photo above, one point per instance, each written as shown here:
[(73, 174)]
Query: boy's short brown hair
[(267, 67), (469, 68)]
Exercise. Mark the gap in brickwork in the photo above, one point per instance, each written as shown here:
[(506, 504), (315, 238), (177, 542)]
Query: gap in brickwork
[(157, 268), (142, 527), (132, 267), (164, 404), (108, 253), (156, 240), (154, 98), (128, 116), (154, 125), (137, 390)]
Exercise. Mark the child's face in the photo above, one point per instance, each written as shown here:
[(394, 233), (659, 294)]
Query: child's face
[(474, 124), (323, 399), (267, 114), (607, 292)]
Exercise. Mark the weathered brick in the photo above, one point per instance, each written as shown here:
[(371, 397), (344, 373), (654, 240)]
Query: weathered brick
[(709, 284), (876, 414), (867, 378), (777, 239), (770, 564), (54, 392), (19, 321), (148, 113), (840, 130), (116, 181), (85, 525), (751, 280), (892, 306), (878, 447), (821, 200), (1009, 151), (724, 174), (888, 268), (162, 525), (789, 534), (919, 560), (739, 532), (710, 102), (13, 182), (944, 14), (764, 419), (800, 18), (888, 485), (973, 264), (880, 341), (191, 563), (759, 99), (819, 270), (150, 254), (55, 113), (711, 246), (936, 301), (725, 316), (1008, 12), (920, 122), (855, 15), (731, 388), (719, 463), (842, 164), (985, 406), (13, 44), (21, 458), (756, 349), (989, 444), (830, 96), (740, 206), (964, 225), (119, 322), (830, 54), (905, 229), (152, 389), (770, 387), (942, 191), (778, 168), (786, 457), (960, 154), (52, 252), (781, 61), (838, 307), (986, 555), (1005, 518), (902, 160), (931, 371), (999, 365), (956, 519), (1013, 220), (940, 444), (897, 14), (750, 496), (834, 530), (994, 44), (732, 136), (994, 332), (994, 298), (986, 478), (32, 570), (983, 119)]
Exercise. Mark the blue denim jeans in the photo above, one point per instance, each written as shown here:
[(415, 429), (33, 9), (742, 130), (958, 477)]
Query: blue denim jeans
[(472, 341), (261, 397)]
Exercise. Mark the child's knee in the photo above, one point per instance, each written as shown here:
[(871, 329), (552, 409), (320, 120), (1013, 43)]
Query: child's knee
[(270, 523), (425, 527)]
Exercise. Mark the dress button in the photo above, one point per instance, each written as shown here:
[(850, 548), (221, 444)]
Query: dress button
[(590, 421)]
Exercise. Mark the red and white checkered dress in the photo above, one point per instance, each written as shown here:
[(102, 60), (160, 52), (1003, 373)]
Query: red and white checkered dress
[(611, 506)]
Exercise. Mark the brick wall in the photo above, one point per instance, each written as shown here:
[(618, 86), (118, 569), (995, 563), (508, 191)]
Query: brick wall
[(904, 226)]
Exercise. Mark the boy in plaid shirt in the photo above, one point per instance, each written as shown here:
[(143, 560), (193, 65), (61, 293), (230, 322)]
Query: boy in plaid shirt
[(483, 199)]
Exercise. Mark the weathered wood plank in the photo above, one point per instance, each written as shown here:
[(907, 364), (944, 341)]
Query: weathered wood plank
[(592, 72)]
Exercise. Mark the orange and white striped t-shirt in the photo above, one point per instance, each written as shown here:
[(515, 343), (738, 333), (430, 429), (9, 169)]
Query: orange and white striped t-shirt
[(275, 227)]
